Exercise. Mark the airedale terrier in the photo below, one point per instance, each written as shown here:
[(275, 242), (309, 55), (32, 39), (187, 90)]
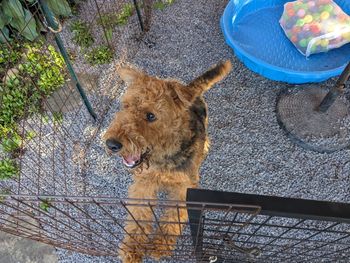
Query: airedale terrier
[(161, 134)]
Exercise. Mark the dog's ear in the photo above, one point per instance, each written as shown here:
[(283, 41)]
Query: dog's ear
[(129, 75), (198, 86)]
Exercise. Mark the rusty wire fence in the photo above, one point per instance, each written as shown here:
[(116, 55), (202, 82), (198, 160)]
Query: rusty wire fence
[(46, 131), (230, 228), (45, 127)]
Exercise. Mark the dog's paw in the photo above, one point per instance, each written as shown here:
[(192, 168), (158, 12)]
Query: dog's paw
[(132, 250), (162, 247), (128, 255)]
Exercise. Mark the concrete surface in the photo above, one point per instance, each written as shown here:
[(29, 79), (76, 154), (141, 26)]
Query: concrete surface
[(14, 249)]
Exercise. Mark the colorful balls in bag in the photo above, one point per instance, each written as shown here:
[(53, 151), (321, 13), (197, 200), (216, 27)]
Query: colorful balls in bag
[(312, 26)]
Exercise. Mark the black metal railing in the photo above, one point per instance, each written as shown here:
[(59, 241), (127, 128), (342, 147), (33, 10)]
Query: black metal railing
[(284, 230)]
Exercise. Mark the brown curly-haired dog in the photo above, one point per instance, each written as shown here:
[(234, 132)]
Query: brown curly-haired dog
[(161, 134)]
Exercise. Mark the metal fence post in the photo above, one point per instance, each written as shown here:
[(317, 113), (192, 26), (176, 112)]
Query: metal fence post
[(54, 27), (138, 14)]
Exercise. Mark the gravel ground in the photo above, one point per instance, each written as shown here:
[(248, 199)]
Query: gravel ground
[(249, 152)]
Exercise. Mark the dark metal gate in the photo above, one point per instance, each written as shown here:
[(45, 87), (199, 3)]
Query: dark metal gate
[(222, 227), (279, 230)]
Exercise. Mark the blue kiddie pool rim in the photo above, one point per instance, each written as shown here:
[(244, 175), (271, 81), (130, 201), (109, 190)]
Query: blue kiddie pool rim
[(265, 69)]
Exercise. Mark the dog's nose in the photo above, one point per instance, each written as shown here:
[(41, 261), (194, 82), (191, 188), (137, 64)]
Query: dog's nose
[(113, 145)]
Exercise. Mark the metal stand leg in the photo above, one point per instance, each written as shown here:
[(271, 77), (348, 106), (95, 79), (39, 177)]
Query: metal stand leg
[(335, 91)]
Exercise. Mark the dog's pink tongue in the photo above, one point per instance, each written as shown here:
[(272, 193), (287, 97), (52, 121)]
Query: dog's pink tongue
[(131, 160)]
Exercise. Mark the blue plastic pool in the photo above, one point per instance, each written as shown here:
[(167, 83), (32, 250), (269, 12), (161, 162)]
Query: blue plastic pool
[(252, 29)]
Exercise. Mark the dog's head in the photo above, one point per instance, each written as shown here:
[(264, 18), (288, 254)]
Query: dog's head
[(154, 116)]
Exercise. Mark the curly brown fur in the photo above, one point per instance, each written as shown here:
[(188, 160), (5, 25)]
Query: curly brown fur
[(167, 150)]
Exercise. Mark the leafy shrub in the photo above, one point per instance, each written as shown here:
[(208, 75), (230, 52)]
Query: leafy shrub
[(8, 56), (81, 34), (11, 142), (8, 169), (57, 118), (99, 55), (123, 16), (35, 74), (59, 7), (38, 75), (111, 20), (162, 4), (15, 17)]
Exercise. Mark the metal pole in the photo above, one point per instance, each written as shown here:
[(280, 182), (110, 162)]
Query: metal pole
[(103, 25), (55, 28), (335, 91), (138, 14)]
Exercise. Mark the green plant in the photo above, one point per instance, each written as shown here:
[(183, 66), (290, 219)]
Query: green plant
[(11, 142), (36, 73), (45, 118), (45, 204), (46, 66), (37, 76), (10, 56), (4, 192), (124, 14), (57, 118), (162, 4), (14, 16), (159, 5), (81, 34), (31, 135), (8, 169), (59, 7), (110, 20), (99, 55)]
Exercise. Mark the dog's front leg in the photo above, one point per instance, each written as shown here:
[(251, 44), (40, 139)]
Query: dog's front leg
[(139, 222), (172, 222)]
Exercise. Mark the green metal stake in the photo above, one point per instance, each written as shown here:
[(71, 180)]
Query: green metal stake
[(138, 14), (55, 28)]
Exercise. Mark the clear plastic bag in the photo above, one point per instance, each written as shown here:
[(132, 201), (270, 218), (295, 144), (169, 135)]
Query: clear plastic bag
[(315, 26)]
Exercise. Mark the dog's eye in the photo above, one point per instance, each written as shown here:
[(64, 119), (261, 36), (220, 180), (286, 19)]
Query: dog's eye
[(150, 116)]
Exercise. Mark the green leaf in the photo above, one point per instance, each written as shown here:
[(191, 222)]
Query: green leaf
[(4, 35), (26, 26), (40, 26), (59, 7), (8, 169), (4, 20), (45, 205), (13, 8), (159, 5), (109, 33)]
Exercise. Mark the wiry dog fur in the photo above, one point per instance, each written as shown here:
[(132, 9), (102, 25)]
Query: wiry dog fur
[(161, 129)]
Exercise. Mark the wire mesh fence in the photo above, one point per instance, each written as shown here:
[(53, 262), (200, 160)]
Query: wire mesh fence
[(281, 230), (224, 231), (43, 118), (46, 131), (96, 225)]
